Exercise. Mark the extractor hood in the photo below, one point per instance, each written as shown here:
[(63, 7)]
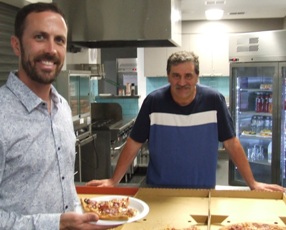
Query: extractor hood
[(123, 23)]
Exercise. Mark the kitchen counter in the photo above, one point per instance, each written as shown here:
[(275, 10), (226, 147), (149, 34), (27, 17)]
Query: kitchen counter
[(126, 120), (229, 187), (129, 191), (116, 96), (132, 190)]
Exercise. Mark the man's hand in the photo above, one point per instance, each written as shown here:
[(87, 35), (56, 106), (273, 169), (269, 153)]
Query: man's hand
[(76, 221), (101, 183), (267, 187)]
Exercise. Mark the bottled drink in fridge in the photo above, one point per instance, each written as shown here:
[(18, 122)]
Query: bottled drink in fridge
[(267, 123), (266, 103), (253, 123), (259, 124), (269, 152), (258, 103), (270, 103)]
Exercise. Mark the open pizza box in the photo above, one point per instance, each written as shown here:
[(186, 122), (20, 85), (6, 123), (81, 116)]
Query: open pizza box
[(207, 209)]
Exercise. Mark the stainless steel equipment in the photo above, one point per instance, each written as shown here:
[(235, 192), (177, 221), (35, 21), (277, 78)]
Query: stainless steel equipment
[(123, 23), (112, 131), (127, 76), (257, 103), (74, 86)]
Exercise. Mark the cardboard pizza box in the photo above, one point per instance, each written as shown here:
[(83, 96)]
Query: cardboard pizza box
[(205, 209), (208, 209), (230, 207), (172, 208)]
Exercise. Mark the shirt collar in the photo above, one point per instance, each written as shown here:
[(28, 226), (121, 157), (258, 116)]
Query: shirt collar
[(28, 98)]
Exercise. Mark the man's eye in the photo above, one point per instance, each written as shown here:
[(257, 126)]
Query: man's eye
[(189, 76), (60, 40), (39, 37)]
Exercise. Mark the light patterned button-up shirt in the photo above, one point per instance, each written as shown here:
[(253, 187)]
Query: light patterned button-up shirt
[(37, 153)]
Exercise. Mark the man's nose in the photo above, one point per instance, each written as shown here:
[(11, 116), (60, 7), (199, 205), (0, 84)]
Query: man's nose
[(51, 47), (182, 81)]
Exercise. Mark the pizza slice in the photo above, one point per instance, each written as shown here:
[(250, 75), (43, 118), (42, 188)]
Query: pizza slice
[(115, 209), (252, 226)]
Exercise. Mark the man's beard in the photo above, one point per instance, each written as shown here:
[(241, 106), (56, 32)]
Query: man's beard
[(37, 76)]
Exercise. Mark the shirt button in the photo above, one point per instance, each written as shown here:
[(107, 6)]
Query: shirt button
[(63, 177), (59, 148), (66, 207)]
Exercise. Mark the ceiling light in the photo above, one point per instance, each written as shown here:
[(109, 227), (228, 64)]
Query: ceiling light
[(214, 14)]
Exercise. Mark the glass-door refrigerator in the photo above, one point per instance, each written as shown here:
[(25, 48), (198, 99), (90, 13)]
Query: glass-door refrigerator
[(257, 105)]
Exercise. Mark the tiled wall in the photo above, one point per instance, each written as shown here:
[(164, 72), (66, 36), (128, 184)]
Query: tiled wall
[(93, 89), (153, 83), (130, 106), (219, 83)]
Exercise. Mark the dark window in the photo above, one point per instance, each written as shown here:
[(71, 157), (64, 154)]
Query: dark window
[(8, 60)]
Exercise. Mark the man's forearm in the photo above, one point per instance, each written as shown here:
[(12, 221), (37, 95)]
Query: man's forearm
[(126, 158), (240, 160)]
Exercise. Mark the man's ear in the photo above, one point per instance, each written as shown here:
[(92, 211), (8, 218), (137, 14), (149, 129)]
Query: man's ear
[(15, 43)]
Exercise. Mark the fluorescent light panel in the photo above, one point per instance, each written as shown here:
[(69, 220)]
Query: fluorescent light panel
[(214, 14)]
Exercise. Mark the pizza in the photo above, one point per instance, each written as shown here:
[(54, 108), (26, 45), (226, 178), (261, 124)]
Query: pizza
[(252, 226), (114, 209), (190, 228)]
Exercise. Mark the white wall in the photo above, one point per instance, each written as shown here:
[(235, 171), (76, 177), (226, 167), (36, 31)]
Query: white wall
[(232, 26), (141, 76), (216, 50)]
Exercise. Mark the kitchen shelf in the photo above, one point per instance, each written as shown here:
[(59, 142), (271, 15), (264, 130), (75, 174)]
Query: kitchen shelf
[(117, 96), (255, 90), (259, 137)]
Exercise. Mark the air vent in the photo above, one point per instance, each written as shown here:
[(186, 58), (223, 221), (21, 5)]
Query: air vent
[(253, 48), (214, 2), (253, 40), (242, 49), (237, 13)]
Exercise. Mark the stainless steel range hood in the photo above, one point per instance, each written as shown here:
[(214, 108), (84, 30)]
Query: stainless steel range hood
[(123, 23)]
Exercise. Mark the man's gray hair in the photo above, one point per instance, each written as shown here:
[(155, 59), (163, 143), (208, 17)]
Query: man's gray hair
[(181, 57)]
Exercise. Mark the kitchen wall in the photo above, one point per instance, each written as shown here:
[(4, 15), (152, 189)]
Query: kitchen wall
[(108, 58), (195, 38), (199, 36), (130, 106)]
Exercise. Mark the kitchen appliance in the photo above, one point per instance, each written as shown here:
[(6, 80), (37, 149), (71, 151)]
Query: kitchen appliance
[(122, 23), (74, 86), (88, 60), (127, 79), (257, 103), (112, 131)]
